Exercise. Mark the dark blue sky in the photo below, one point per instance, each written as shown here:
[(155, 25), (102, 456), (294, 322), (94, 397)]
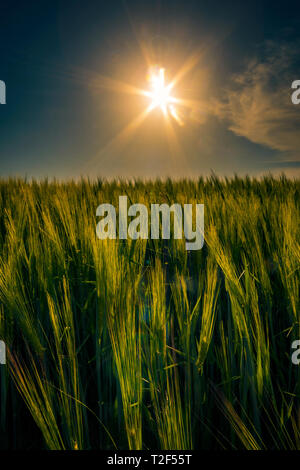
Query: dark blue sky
[(61, 115)]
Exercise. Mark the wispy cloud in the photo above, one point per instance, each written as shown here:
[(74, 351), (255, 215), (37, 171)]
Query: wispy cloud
[(258, 104)]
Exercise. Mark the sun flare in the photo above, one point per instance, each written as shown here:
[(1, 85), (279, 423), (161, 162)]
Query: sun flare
[(160, 92), (161, 96)]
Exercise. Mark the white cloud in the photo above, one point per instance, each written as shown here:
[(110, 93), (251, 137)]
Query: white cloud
[(258, 105)]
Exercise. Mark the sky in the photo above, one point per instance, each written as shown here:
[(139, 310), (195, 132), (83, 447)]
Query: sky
[(71, 68)]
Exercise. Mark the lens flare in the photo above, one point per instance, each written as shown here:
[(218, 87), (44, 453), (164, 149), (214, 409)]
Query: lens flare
[(161, 97), (160, 93)]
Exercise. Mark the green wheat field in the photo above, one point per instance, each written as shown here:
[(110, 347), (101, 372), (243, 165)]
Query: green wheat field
[(123, 344)]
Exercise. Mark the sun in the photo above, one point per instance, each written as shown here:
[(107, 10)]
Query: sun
[(161, 96), (160, 93)]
